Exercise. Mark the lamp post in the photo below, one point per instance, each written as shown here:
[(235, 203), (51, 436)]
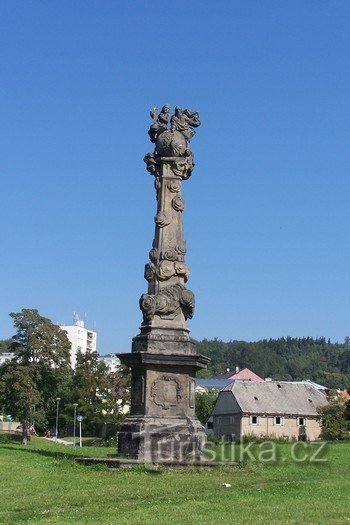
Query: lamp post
[(33, 424), (75, 421), (58, 399), (80, 419)]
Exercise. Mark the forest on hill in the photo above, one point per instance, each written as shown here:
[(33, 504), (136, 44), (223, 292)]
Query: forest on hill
[(5, 346), (282, 359)]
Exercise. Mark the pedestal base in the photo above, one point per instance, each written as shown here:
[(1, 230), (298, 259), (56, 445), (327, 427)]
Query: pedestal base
[(159, 439)]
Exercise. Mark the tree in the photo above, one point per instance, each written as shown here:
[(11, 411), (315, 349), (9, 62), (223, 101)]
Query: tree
[(19, 392), (5, 345), (98, 391), (201, 374), (40, 367), (39, 341), (118, 392), (335, 420), (204, 406), (287, 358)]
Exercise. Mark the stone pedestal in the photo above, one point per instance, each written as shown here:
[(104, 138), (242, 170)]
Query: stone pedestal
[(162, 424)]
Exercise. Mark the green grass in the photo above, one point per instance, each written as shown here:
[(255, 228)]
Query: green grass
[(41, 483)]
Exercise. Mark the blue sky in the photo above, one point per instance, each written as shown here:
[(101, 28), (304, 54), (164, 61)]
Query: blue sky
[(267, 209)]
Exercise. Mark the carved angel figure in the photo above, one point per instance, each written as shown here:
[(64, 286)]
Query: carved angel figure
[(160, 122)]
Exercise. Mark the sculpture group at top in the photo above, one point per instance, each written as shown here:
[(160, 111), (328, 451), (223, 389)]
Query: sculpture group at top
[(168, 301), (171, 136)]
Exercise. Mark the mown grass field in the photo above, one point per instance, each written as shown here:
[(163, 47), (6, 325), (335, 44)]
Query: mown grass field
[(41, 483)]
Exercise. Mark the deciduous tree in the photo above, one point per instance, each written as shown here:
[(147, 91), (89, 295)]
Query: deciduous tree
[(335, 420), (204, 405), (98, 391), (40, 367)]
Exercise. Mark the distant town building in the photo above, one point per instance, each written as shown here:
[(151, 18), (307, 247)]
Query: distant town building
[(6, 356), (111, 360), (219, 382), (211, 383), (244, 375), (80, 338), (319, 387)]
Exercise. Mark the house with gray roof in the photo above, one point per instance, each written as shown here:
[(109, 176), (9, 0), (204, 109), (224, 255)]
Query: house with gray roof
[(271, 408)]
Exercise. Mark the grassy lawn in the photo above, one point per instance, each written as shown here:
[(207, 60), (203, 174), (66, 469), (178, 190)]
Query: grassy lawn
[(41, 483)]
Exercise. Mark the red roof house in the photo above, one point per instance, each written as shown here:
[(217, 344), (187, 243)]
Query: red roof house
[(244, 375)]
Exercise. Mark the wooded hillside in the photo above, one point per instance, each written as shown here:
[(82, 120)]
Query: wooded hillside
[(5, 346), (285, 359)]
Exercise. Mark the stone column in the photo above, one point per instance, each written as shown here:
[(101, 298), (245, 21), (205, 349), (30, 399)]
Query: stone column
[(162, 423)]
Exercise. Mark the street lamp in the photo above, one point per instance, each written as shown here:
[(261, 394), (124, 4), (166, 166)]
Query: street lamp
[(75, 421), (80, 419), (58, 399)]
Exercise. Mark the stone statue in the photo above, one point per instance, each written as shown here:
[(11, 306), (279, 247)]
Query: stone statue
[(174, 141), (160, 121), (163, 361), (184, 121), (171, 162)]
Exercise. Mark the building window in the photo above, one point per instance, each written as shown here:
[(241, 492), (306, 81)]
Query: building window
[(278, 420), (232, 420), (254, 420), (219, 420), (210, 425), (301, 421)]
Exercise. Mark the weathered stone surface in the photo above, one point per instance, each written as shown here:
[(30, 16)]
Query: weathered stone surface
[(159, 373), (163, 360), (170, 342), (158, 439), (167, 268), (171, 301)]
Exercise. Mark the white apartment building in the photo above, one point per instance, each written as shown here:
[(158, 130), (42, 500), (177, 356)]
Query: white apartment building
[(111, 360), (80, 338), (7, 356)]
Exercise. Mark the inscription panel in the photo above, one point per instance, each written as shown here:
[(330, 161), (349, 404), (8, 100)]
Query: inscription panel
[(166, 392)]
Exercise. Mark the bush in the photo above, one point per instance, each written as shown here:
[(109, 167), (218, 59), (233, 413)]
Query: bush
[(335, 420), (7, 438)]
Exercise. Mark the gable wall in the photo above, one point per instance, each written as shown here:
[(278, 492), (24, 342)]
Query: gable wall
[(226, 404)]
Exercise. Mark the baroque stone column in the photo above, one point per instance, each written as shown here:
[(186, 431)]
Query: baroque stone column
[(162, 423)]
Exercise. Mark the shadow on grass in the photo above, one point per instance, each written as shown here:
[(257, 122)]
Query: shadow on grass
[(46, 453), (61, 456)]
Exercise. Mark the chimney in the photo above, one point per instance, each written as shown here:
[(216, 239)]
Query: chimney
[(237, 369)]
